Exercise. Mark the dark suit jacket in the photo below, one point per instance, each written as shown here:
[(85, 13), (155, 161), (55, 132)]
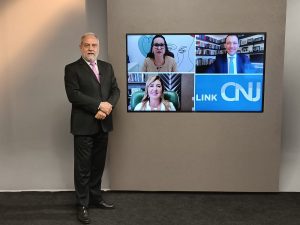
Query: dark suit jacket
[(220, 64), (85, 93)]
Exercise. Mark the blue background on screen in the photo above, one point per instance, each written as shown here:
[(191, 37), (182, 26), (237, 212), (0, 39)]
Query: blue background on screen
[(228, 92)]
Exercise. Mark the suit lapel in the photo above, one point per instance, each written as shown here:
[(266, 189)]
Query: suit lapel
[(101, 70), (88, 69), (238, 64), (225, 65)]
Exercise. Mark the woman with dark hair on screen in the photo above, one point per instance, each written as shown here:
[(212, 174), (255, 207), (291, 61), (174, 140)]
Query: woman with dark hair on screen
[(153, 99), (159, 58)]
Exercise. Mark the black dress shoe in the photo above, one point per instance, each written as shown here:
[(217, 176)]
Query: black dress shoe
[(103, 205), (83, 215)]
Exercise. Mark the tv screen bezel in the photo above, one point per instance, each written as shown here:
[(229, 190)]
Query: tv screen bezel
[(201, 33)]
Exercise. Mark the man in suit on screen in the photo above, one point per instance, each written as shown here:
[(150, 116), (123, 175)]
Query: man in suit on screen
[(231, 62), (92, 89)]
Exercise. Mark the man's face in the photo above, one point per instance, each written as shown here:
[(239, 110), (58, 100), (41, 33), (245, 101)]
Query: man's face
[(90, 48), (232, 44)]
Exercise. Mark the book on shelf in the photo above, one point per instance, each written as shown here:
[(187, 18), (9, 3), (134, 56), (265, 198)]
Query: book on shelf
[(136, 78)]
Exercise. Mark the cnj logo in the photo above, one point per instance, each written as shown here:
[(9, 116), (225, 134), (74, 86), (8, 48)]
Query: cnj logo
[(252, 95)]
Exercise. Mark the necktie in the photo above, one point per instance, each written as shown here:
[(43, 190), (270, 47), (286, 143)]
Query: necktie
[(231, 65), (94, 68)]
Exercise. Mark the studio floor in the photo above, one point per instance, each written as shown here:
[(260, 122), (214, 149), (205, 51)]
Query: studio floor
[(154, 208)]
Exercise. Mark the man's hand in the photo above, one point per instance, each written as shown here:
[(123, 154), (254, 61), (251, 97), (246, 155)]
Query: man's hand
[(100, 115), (105, 107)]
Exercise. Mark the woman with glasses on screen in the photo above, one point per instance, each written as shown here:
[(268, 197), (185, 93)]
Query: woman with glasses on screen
[(159, 59), (153, 99)]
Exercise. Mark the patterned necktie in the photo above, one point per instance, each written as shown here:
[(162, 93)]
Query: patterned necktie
[(231, 65), (94, 68)]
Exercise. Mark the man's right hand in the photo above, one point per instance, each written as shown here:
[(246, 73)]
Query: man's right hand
[(105, 107), (100, 115)]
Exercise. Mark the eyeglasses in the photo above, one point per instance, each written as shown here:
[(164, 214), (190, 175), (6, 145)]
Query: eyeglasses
[(159, 45)]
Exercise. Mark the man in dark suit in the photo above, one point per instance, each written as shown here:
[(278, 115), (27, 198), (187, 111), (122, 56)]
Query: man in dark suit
[(92, 89), (232, 62)]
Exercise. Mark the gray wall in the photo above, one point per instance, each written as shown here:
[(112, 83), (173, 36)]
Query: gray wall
[(198, 151), (35, 144), (290, 160), (36, 149)]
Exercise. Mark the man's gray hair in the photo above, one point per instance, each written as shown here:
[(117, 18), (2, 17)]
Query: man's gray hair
[(88, 34)]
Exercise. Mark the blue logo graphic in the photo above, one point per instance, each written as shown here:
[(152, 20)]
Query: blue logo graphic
[(228, 92)]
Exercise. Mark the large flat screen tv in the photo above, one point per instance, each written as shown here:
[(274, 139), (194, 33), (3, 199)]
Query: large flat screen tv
[(198, 72)]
